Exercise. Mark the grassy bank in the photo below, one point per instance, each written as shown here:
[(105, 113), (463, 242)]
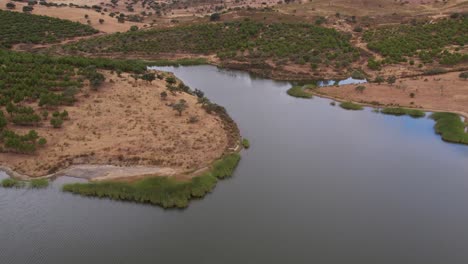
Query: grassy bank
[(163, 191), (450, 127), (298, 91), (39, 183), (351, 106), (14, 183), (403, 111), (10, 183)]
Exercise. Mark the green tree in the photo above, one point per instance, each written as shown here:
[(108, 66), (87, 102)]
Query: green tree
[(56, 122), (180, 106), (360, 88), (42, 141), (10, 5), (149, 77)]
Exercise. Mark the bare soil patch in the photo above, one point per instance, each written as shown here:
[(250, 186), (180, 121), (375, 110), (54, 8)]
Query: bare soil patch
[(126, 123), (446, 92)]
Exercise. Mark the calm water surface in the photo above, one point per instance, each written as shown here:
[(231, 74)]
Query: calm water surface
[(319, 185)]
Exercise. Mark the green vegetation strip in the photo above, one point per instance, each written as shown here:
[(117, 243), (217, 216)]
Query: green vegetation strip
[(403, 111), (298, 91), (450, 127), (26, 28), (39, 183), (35, 183), (162, 191), (351, 106)]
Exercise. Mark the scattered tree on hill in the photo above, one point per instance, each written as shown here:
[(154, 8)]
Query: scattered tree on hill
[(149, 77), (203, 101), (360, 88), (42, 141), (180, 106), (171, 80), (379, 79), (27, 9), (199, 93), (10, 5), (56, 122)]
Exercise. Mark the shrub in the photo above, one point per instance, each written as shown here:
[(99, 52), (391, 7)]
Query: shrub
[(180, 106), (10, 5), (374, 65), (351, 106), (298, 91), (39, 183), (357, 74), (56, 122), (360, 88), (42, 141), (10, 183), (245, 143), (27, 9)]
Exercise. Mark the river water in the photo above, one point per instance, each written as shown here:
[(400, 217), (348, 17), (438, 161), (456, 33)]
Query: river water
[(319, 185)]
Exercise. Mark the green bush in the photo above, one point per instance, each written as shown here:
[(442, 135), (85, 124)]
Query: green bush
[(245, 143), (298, 91), (10, 183), (450, 127), (351, 106), (39, 183)]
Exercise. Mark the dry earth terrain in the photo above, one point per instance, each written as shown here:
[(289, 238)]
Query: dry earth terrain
[(446, 92), (126, 123)]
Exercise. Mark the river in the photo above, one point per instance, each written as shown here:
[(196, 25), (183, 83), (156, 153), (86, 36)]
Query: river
[(319, 185)]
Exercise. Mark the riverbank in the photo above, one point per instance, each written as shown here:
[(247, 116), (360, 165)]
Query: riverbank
[(166, 192), (127, 129), (440, 93)]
